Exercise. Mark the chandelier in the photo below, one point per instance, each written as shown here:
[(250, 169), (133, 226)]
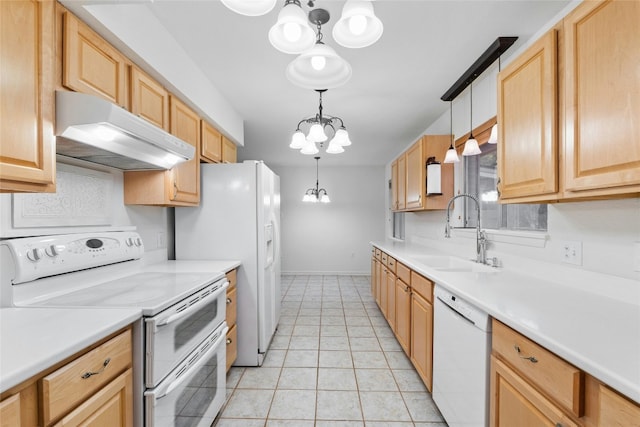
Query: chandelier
[(315, 195), (318, 125)]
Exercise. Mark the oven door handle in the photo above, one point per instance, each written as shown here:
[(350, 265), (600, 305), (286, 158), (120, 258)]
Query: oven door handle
[(222, 338), (194, 307)]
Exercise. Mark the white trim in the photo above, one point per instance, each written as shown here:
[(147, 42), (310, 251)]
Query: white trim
[(535, 239)]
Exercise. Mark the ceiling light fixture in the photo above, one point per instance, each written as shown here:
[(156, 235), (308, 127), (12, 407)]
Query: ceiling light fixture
[(452, 154), (471, 147), (292, 33), (316, 134), (250, 8), (319, 67), (358, 26), (315, 195)]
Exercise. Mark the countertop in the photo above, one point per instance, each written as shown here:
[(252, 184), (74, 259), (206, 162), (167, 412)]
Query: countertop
[(597, 333), (34, 339)]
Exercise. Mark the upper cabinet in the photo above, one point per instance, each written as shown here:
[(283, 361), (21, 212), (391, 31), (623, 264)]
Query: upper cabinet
[(91, 65), (568, 109), (527, 111), (602, 92), (27, 55), (149, 99), (229, 151), (409, 176), (211, 150)]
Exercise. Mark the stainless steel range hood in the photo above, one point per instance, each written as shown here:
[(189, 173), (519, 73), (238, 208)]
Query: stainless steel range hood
[(98, 131)]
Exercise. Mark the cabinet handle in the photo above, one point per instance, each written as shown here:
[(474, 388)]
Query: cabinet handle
[(498, 187), (229, 301), (175, 188), (531, 359), (406, 288), (89, 374), (229, 341), (558, 425)]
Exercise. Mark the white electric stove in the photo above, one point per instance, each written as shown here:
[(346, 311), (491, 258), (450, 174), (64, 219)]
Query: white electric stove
[(179, 346)]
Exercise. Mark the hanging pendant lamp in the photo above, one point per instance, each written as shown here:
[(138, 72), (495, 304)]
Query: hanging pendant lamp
[(452, 154), (319, 67), (292, 33), (358, 26), (471, 147), (315, 195)]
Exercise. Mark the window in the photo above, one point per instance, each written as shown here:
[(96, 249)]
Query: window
[(481, 181)]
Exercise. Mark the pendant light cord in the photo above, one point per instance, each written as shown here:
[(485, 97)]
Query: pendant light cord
[(471, 111), (451, 123)]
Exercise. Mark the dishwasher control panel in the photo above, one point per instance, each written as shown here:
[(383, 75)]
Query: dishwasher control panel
[(471, 313)]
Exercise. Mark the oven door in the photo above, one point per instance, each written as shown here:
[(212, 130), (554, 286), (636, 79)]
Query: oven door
[(175, 332), (194, 392)]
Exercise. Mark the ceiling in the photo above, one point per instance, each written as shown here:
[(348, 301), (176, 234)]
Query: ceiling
[(394, 92)]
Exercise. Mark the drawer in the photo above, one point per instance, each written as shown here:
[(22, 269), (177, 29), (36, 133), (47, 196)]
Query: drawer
[(422, 285), (384, 257), (232, 307), (391, 263), (378, 253), (403, 272), (232, 277), (552, 375), (10, 411), (63, 389), (615, 410), (232, 346)]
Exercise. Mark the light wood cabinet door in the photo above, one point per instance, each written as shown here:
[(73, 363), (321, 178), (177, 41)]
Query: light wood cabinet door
[(229, 151), (27, 62), (384, 295), (403, 315), (112, 406), (402, 182), (232, 346), (232, 306), (91, 65), (211, 151), (527, 114), (394, 185), (514, 402), (378, 282), (373, 276), (602, 114), (422, 338), (391, 299), (615, 410), (10, 412), (185, 177), (149, 100), (416, 171)]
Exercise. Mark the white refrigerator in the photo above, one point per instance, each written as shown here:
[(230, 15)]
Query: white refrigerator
[(239, 218)]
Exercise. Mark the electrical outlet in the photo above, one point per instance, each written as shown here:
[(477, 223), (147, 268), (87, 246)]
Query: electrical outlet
[(636, 256), (161, 240), (572, 252)]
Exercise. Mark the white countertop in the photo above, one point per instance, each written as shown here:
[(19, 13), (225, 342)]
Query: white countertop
[(195, 266), (34, 339), (596, 333)]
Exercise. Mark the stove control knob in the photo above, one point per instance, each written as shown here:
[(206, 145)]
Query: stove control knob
[(53, 251), (129, 241), (138, 241), (34, 254)]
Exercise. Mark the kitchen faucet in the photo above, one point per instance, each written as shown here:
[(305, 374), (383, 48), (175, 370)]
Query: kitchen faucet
[(481, 238)]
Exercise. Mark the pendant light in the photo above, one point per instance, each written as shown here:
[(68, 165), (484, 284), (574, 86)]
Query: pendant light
[(493, 137), (292, 33), (250, 8), (358, 26), (319, 67), (471, 147), (452, 154), (315, 195)]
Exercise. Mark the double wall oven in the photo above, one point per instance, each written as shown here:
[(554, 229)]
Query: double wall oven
[(179, 344)]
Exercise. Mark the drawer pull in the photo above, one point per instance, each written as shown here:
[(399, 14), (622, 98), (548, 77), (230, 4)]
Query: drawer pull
[(531, 359), (229, 341), (90, 374), (229, 301), (406, 289)]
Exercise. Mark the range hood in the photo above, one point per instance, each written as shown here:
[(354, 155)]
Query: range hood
[(93, 129)]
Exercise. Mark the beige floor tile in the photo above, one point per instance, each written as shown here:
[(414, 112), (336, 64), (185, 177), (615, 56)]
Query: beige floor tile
[(301, 359), (304, 343), (334, 343), (408, 380), (357, 321), (248, 404), (360, 331), (308, 320), (375, 380), (332, 320), (398, 360), (369, 359), (335, 359), (383, 406), (293, 405), (306, 330), (274, 358), (421, 407), (339, 405), (233, 376), (333, 331), (290, 423), (336, 379), (364, 344), (238, 422), (261, 377), (298, 378)]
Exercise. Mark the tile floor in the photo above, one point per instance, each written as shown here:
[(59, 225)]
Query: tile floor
[(334, 361)]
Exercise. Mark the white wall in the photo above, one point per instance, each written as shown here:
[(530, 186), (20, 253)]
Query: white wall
[(607, 230), (331, 238)]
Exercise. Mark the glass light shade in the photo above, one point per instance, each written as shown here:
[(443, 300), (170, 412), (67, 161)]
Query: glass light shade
[(250, 7), (282, 34), (471, 147), (307, 197), (309, 148), (434, 178), (451, 156), (493, 138), (316, 133), (298, 140), (325, 198), (358, 26), (341, 138), (336, 71), (334, 148)]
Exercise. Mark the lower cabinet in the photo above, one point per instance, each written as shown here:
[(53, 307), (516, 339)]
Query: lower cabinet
[(391, 299), (231, 317), (93, 389), (403, 314), (422, 338)]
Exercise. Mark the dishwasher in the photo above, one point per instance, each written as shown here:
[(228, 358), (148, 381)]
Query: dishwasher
[(461, 349)]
